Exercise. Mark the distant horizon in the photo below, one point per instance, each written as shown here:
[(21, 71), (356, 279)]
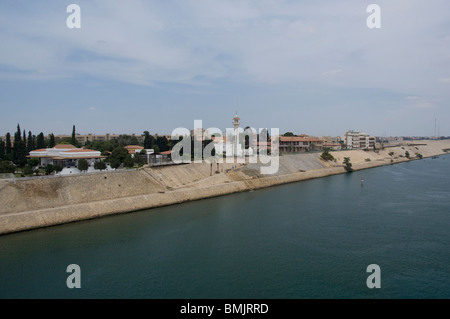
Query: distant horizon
[(167, 134)]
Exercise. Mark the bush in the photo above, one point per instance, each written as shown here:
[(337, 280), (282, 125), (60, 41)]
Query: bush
[(27, 170), (83, 164), (32, 162), (128, 162), (326, 156), (391, 153), (407, 154), (138, 159), (7, 167), (114, 162), (348, 165), (58, 168), (119, 153), (49, 169), (100, 165), (368, 159)]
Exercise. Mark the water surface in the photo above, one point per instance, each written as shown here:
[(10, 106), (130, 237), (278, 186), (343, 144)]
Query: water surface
[(310, 239)]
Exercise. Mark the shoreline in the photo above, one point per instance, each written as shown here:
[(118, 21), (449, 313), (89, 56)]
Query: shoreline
[(33, 204)]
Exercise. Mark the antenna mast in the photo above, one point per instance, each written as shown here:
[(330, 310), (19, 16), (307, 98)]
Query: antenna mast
[(435, 136)]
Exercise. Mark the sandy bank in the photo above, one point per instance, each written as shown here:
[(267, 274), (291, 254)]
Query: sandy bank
[(35, 203)]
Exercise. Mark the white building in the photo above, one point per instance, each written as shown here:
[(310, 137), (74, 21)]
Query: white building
[(66, 155), (137, 149), (355, 140)]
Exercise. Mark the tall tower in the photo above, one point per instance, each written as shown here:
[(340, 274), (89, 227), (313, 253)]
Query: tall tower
[(236, 124)]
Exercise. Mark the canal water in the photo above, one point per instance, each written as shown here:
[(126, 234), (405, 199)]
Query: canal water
[(310, 239)]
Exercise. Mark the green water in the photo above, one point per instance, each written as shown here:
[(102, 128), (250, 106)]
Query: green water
[(311, 239)]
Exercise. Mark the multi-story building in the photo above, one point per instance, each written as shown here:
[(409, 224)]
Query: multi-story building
[(84, 138), (360, 140), (296, 144)]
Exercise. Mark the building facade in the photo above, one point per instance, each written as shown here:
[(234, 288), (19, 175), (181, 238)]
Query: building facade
[(65, 155), (298, 144), (359, 140), (84, 138)]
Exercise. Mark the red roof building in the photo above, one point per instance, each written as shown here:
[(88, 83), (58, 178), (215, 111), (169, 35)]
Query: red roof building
[(65, 155)]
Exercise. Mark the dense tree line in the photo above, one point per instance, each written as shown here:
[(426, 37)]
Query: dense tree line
[(159, 144), (16, 151), (118, 154), (13, 152)]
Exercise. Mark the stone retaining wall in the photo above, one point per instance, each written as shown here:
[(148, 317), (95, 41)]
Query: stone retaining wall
[(28, 204)]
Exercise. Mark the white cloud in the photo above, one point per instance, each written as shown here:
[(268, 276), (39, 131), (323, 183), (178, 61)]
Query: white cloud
[(422, 105), (197, 42), (277, 41), (331, 73), (418, 102)]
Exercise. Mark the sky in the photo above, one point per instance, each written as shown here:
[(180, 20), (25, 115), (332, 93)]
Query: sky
[(305, 66)]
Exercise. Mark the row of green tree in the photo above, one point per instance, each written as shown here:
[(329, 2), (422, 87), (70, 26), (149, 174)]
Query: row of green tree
[(13, 152), (16, 150), (157, 143)]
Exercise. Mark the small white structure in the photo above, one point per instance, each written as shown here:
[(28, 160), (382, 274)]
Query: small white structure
[(133, 149), (146, 151)]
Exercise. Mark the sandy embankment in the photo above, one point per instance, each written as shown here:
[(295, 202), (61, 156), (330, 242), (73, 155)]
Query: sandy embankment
[(29, 204)]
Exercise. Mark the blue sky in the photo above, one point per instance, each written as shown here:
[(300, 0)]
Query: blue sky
[(310, 67)]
